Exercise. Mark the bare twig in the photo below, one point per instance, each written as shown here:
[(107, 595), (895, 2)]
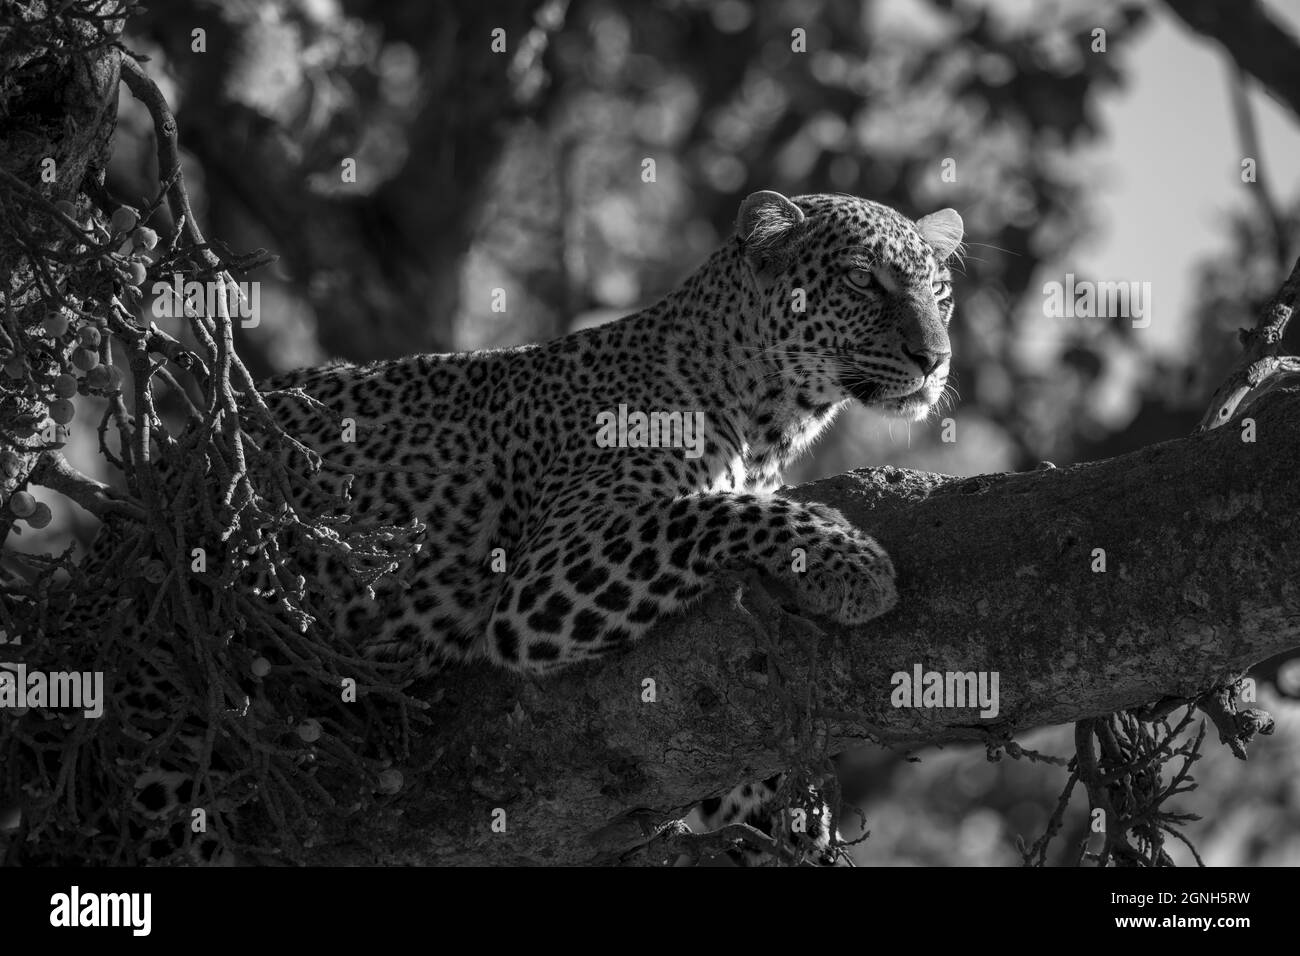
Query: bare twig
[(1260, 359), (53, 471), (1236, 727)]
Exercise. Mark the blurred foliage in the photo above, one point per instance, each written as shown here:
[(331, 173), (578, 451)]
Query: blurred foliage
[(714, 93), (522, 169)]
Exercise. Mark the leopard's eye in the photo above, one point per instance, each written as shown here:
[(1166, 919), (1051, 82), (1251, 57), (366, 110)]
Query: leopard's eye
[(862, 279)]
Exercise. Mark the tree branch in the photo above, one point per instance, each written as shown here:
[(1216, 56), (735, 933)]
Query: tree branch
[(1256, 41), (55, 472), (1202, 580), (1259, 361)]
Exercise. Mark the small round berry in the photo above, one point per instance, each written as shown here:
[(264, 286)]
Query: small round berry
[(124, 219), (155, 572), (65, 386), (22, 504), (138, 273), (99, 377), (55, 324), (85, 359), (88, 336), (62, 411), (10, 463), (260, 667), (145, 238), (309, 730), (40, 518), (390, 781)]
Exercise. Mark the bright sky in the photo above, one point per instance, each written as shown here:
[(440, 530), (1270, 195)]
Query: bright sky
[(1171, 165)]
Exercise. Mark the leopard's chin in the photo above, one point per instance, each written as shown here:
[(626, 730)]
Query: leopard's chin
[(913, 407)]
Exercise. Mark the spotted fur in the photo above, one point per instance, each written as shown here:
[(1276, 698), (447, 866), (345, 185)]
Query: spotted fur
[(498, 449), (805, 824)]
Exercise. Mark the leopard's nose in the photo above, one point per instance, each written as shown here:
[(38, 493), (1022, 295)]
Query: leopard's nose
[(926, 359)]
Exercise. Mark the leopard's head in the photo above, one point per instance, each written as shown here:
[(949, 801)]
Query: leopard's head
[(855, 298)]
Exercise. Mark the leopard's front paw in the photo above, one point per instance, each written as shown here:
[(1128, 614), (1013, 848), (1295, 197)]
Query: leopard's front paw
[(851, 581)]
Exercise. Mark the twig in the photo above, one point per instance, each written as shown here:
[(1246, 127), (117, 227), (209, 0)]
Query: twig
[(1236, 728), (55, 472), (144, 89), (1262, 344)]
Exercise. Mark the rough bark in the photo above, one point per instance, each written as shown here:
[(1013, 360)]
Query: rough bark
[(1202, 580)]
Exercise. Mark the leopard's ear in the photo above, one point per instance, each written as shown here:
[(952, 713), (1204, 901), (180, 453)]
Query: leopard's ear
[(943, 231), (769, 226)]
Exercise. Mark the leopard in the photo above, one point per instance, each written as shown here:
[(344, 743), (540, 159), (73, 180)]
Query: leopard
[(812, 303), (560, 527)]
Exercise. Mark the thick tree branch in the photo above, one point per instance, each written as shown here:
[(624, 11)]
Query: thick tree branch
[(1256, 41), (1202, 580)]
